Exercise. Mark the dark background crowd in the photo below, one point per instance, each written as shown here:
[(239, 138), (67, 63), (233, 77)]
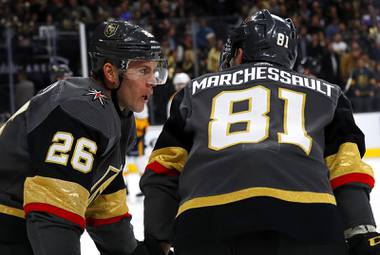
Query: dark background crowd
[(341, 38)]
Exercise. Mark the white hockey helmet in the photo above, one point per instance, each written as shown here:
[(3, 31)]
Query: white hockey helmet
[(180, 80)]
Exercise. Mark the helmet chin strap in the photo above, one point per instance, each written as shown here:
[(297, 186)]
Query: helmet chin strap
[(114, 94)]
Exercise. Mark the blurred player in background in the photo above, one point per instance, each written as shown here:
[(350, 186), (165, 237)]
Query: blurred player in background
[(259, 159), (24, 89), (63, 151), (60, 72), (310, 66), (179, 82), (136, 158)]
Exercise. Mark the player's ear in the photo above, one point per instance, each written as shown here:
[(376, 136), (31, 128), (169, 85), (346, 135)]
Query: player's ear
[(111, 77), (238, 58)]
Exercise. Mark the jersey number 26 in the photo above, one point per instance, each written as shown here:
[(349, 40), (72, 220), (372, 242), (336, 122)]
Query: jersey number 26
[(83, 155)]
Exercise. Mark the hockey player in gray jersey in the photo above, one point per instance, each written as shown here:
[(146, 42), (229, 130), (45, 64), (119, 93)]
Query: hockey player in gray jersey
[(259, 159), (62, 153)]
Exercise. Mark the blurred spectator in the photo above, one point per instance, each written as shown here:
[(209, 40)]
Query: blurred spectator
[(338, 45), (376, 103), (24, 89), (188, 61), (201, 35), (124, 12), (362, 86), (332, 29), (303, 43), (351, 26), (163, 9), (349, 60), (315, 26), (315, 48), (375, 50), (214, 53), (330, 63), (371, 17), (348, 12)]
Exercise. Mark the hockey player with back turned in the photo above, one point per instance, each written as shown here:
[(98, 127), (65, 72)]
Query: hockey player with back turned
[(62, 153), (260, 160)]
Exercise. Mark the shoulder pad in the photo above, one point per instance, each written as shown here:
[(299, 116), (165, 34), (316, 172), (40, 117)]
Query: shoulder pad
[(87, 102), (83, 100)]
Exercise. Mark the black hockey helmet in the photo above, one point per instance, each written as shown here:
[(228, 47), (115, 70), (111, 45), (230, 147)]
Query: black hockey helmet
[(263, 37), (122, 42)]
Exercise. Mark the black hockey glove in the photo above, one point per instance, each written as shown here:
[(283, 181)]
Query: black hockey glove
[(148, 247), (364, 244)]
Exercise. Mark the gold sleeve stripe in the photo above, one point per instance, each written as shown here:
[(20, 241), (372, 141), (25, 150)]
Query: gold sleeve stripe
[(291, 196), (12, 211), (68, 196), (108, 205), (170, 157), (347, 161)]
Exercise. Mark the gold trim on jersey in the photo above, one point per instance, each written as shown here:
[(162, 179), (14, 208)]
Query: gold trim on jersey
[(170, 157), (346, 161), (100, 186), (12, 211), (108, 205), (66, 195), (290, 196)]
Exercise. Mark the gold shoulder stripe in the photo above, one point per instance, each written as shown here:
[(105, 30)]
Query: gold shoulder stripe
[(170, 157), (347, 161), (291, 196), (108, 205), (12, 211), (66, 195)]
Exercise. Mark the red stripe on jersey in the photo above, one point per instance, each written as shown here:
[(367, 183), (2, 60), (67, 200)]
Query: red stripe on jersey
[(160, 169), (99, 222), (72, 217), (355, 177)]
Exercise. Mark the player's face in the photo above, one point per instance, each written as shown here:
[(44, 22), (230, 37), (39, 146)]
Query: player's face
[(137, 85)]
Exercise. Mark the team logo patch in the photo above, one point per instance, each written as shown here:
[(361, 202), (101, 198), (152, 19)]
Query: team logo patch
[(110, 30), (97, 95)]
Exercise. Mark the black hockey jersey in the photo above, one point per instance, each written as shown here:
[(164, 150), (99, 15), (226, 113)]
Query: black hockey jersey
[(255, 147), (62, 153)]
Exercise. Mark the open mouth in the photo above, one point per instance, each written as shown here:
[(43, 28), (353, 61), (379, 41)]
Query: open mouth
[(146, 98)]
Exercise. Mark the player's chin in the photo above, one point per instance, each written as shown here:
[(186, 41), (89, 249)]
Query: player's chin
[(139, 106)]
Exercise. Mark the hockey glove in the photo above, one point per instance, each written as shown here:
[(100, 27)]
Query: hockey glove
[(148, 247), (364, 244)]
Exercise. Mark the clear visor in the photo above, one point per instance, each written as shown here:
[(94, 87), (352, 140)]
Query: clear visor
[(153, 72)]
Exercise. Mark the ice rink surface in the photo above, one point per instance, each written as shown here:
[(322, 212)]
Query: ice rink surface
[(135, 205)]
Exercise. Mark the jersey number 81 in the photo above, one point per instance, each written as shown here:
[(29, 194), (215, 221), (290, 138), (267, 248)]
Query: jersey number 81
[(255, 118)]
